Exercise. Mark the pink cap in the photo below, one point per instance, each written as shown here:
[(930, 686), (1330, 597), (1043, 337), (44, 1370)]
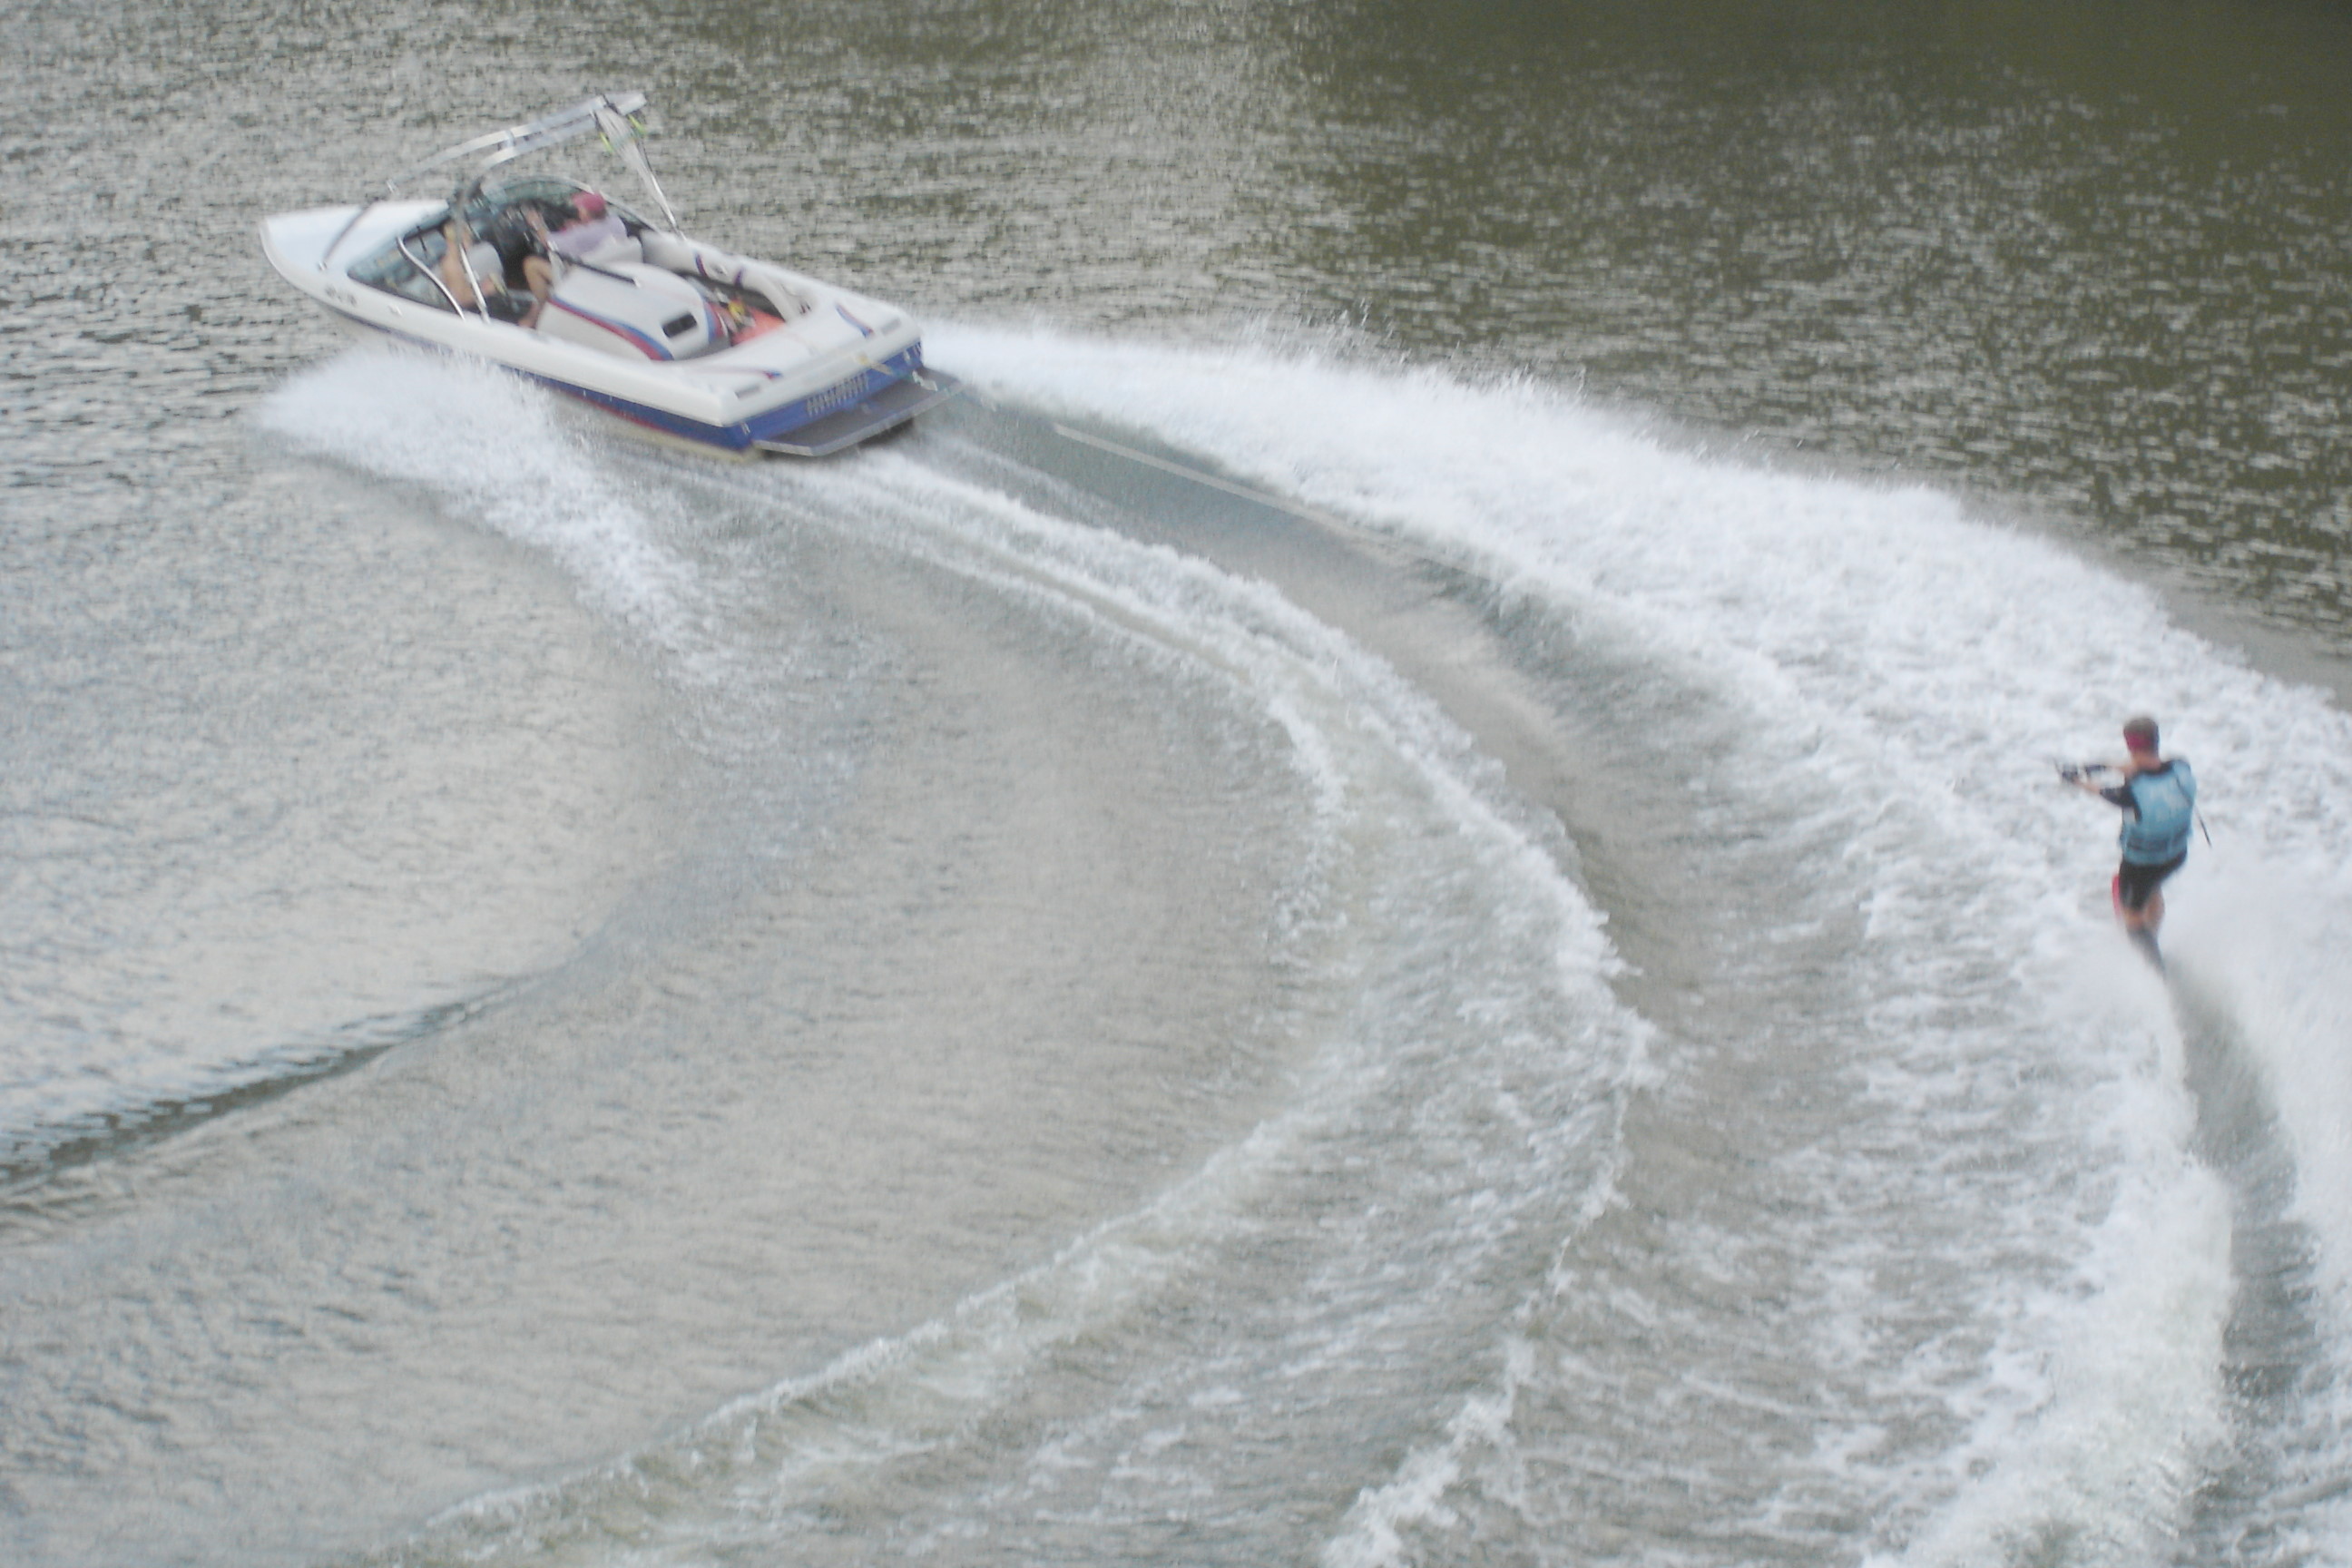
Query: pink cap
[(588, 205)]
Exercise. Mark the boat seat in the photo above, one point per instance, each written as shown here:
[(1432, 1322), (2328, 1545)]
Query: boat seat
[(625, 251), (667, 250), (632, 311)]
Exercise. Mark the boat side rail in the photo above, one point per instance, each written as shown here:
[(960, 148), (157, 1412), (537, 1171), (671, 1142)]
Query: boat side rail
[(418, 262)]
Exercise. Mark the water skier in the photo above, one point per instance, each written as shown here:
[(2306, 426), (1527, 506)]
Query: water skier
[(2158, 797)]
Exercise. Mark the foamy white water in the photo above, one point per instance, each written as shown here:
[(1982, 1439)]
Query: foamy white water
[(1968, 1289), (1430, 902), (1879, 650), (1979, 1309), (1905, 668), (493, 446)]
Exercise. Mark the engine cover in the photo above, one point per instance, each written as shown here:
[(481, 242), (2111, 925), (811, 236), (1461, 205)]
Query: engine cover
[(635, 311)]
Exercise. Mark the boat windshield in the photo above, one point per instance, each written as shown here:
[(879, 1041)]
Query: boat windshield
[(395, 269), (552, 194)]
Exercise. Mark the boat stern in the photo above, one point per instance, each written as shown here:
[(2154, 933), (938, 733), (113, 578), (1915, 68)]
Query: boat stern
[(879, 402)]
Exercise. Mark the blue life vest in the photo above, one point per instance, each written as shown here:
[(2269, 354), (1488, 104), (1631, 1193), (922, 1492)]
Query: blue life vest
[(2165, 806)]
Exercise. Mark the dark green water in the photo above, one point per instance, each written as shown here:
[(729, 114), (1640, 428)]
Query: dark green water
[(2085, 256)]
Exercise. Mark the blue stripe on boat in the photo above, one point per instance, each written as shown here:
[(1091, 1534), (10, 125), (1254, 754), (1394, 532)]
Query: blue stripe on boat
[(769, 426), (651, 347)]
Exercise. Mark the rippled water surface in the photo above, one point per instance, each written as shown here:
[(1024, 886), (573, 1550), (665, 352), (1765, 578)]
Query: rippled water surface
[(1397, 902)]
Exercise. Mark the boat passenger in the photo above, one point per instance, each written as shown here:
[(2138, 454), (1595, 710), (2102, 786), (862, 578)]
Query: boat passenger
[(594, 225)]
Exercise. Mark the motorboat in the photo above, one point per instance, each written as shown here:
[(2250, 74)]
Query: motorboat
[(553, 278)]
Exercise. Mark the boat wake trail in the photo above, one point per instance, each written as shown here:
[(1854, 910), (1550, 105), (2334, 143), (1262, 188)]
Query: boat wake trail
[(62, 1129), (477, 437), (1883, 660), (2277, 1492), (1941, 1234), (1254, 1308), (386, 786), (2264, 1014)]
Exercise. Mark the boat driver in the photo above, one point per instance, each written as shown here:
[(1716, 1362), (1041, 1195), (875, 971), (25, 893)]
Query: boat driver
[(486, 289)]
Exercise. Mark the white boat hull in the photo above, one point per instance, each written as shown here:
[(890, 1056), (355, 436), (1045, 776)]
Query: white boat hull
[(839, 370)]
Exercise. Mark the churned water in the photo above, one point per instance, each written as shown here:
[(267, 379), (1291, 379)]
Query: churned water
[(1400, 901)]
